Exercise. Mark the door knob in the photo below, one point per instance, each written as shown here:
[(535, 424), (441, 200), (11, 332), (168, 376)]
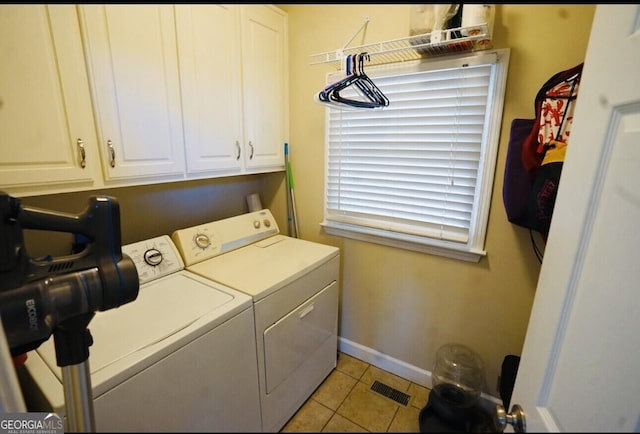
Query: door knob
[(515, 418)]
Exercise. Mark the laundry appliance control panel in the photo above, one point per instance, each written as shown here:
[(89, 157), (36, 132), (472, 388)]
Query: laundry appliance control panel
[(205, 241), (154, 258)]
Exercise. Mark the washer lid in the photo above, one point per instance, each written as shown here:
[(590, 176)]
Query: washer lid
[(167, 312), (265, 266)]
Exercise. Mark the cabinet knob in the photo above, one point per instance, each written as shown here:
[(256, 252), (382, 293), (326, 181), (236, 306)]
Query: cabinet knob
[(112, 153), (251, 154), (83, 155)]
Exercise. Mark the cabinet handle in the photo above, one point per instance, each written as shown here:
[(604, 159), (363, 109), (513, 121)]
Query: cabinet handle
[(112, 152), (238, 147), (306, 311), (83, 155), (251, 146)]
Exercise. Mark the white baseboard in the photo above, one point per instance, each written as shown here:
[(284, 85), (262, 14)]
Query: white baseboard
[(395, 366)]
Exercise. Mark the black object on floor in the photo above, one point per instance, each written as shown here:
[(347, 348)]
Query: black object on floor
[(508, 378), (431, 422), (443, 414)]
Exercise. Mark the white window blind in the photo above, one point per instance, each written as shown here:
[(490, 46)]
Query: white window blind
[(415, 170)]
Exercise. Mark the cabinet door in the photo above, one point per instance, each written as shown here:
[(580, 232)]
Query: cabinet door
[(265, 91), (210, 79), (47, 136), (133, 68)]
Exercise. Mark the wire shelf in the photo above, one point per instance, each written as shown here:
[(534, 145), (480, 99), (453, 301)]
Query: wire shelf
[(414, 47)]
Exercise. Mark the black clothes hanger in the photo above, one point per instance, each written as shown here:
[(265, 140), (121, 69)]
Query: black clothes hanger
[(374, 98), (351, 77), (323, 96), (366, 84), (352, 70)]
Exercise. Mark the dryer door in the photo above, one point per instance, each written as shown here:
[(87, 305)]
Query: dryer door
[(289, 342)]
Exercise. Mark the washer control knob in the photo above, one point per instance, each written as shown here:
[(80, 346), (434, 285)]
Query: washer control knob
[(202, 241), (267, 223), (153, 257), (256, 224)]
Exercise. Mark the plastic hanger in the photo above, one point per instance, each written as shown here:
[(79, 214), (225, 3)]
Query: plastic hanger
[(360, 82), (323, 95), (366, 82), (354, 68), (374, 98)]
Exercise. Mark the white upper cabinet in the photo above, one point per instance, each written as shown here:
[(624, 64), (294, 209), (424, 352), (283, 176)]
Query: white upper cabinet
[(209, 54), (133, 68), (47, 135), (102, 95), (233, 67), (265, 75)]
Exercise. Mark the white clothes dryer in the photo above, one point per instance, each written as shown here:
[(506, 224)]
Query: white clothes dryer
[(294, 286), (181, 357)]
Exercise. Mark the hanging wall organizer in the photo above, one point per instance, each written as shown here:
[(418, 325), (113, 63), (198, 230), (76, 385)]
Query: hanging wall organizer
[(415, 47)]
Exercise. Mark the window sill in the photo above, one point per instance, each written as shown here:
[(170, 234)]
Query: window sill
[(404, 241)]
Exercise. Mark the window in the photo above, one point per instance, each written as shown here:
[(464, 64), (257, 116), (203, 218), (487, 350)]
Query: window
[(418, 174)]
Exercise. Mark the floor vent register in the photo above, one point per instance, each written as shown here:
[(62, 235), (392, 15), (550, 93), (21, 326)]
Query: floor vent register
[(390, 392)]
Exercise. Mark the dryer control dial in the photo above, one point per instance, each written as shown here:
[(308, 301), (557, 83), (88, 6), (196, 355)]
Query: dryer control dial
[(153, 257), (208, 240), (202, 241)]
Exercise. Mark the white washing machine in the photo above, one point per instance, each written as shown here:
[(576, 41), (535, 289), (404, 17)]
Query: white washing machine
[(294, 286), (181, 357)]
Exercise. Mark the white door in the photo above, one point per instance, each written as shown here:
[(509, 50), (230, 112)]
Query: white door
[(580, 366)]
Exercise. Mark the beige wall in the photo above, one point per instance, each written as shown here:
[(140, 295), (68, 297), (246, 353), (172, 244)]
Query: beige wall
[(149, 211), (405, 304)]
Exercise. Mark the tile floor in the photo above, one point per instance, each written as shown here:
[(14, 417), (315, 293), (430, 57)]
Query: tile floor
[(344, 402)]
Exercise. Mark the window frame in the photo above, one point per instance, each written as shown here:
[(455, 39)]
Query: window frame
[(473, 250)]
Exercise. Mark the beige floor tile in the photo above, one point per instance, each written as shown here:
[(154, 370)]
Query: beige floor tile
[(374, 373), (419, 395), (335, 388), (351, 366), (311, 417), (406, 420), (368, 409), (344, 402), (340, 424)]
